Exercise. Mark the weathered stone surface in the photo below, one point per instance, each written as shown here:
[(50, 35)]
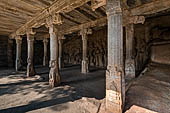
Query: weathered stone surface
[(150, 92), (45, 58), (161, 54), (18, 62), (115, 81), (54, 75), (30, 65), (96, 49), (130, 61)]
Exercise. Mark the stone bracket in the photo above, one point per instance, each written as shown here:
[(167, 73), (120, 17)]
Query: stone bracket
[(54, 19), (97, 3), (85, 32)]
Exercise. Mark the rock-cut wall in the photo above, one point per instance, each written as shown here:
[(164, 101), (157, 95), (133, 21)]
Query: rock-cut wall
[(97, 49)]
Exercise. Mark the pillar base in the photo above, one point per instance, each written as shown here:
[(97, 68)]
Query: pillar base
[(54, 76), (130, 69), (84, 67), (54, 79), (114, 100), (45, 61), (18, 65), (30, 71), (30, 68), (60, 62)]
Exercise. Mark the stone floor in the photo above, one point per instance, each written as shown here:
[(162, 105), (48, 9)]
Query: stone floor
[(78, 93), (81, 93), (150, 93)]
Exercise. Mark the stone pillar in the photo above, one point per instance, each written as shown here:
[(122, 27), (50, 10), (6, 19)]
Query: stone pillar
[(54, 76), (130, 61), (60, 54), (85, 67), (115, 83), (18, 62), (45, 58), (30, 43)]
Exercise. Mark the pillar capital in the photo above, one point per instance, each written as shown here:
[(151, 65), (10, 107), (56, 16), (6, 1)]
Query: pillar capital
[(127, 19), (53, 19), (113, 7), (85, 32), (18, 39), (61, 37), (97, 3), (30, 34), (45, 40), (30, 31)]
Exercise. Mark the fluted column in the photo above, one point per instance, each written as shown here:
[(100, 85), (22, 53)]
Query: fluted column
[(45, 58), (130, 61), (85, 65), (54, 75), (115, 83), (18, 62), (30, 65)]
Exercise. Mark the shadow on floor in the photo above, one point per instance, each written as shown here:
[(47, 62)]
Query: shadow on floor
[(74, 85)]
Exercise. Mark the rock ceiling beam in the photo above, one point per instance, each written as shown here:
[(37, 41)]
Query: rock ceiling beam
[(141, 9), (98, 22), (60, 6), (82, 15), (13, 9), (103, 21), (36, 3), (97, 3), (151, 8)]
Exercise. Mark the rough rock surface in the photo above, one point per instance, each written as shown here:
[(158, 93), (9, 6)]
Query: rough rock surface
[(150, 92), (97, 49)]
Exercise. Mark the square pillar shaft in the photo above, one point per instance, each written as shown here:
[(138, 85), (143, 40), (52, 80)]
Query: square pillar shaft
[(30, 66), (130, 61), (54, 76), (60, 54), (85, 65), (84, 60), (45, 58), (115, 83), (18, 64)]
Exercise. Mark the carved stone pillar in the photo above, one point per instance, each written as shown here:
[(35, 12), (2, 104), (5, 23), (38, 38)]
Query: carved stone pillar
[(54, 76), (115, 83), (30, 43), (85, 67), (60, 54), (130, 61), (18, 63), (45, 58)]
